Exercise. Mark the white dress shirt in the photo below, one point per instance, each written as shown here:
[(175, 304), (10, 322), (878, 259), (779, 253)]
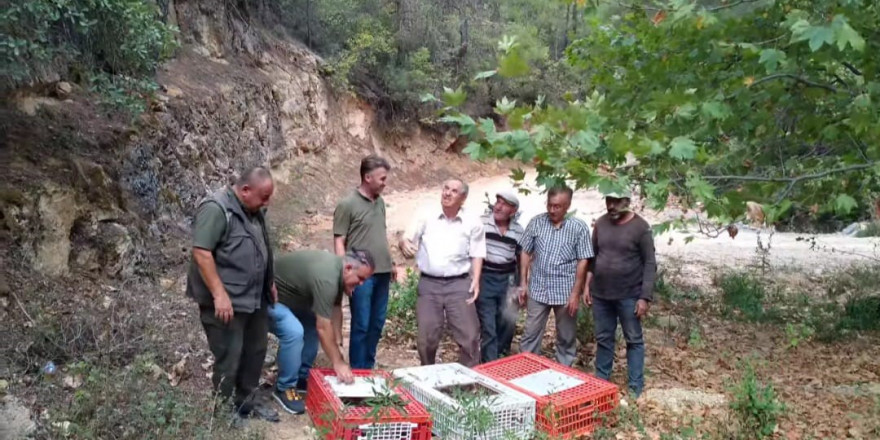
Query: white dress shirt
[(446, 245)]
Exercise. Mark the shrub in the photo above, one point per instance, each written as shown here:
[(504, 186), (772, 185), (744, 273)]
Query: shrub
[(402, 307), (744, 294), (133, 403), (861, 313), (872, 230), (124, 40), (756, 406)]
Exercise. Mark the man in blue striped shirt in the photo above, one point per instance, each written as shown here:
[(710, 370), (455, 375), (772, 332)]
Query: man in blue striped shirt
[(503, 234), (554, 268)]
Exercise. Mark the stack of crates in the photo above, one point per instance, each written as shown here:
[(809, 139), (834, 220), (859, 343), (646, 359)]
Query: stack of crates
[(570, 403), (467, 405), (337, 415)]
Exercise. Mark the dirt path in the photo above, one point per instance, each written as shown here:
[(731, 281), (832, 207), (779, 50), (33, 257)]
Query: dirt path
[(786, 251), (696, 260)]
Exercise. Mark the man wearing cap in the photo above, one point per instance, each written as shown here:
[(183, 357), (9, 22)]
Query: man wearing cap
[(503, 234), (449, 246), (620, 285)]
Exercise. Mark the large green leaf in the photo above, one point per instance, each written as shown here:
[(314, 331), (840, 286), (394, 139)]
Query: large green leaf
[(465, 123), (715, 110), (453, 98), (512, 65), (474, 150), (484, 75), (586, 141), (682, 148), (701, 189), (771, 59), (844, 203), (845, 34)]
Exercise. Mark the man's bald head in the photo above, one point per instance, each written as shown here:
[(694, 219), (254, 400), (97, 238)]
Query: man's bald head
[(254, 187), (253, 176)]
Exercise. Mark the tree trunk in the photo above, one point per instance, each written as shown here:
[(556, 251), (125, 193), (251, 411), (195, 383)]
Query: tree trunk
[(463, 47), (565, 31), (407, 11), (309, 24)]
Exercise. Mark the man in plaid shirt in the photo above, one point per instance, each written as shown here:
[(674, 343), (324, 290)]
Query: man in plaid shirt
[(555, 251)]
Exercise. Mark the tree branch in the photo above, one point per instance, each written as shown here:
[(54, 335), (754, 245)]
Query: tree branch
[(798, 79), (852, 68), (796, 179), (731, 5)]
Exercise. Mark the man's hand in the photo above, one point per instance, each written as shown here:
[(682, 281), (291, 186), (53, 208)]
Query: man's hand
[(572, 306), (642, 307), (523, 295), (223, 308), (475, 289), (407, 248), (343, 372), (588, 300), (274, 293)]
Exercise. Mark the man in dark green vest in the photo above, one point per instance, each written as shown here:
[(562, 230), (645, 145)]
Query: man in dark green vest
[(231, 278)]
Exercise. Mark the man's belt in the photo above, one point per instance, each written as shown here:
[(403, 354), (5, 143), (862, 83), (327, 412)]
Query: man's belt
[(499, 272), (451, 277)]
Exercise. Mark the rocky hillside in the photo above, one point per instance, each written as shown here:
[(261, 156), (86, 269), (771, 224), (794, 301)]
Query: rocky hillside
[(88, 192), (95, 209)]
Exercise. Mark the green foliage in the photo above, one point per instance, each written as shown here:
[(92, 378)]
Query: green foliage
[(132, 403), (743, 294), (122, 92), (861, 314), (797, 333), (872, 230), (852, 304), (769, 102), (116, 44), (396, 53), (475, 411), (402, 307), (756, 406), (586, 331)]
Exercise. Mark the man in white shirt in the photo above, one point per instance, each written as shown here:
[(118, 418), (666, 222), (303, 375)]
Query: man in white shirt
[(449, 245)]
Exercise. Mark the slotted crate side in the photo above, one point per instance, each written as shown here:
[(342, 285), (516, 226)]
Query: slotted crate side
[(577, 419), (334, 422), (513, 412), (569, 413)]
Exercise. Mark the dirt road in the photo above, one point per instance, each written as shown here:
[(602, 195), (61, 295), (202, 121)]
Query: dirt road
[(786, 251)]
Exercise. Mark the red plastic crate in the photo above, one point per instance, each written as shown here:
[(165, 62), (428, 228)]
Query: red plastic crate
[(335, 421), (566, 414)]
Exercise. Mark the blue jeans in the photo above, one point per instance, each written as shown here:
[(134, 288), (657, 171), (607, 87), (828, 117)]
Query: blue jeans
[(297, 345), (606, 313), (496, 331), (368, 302)]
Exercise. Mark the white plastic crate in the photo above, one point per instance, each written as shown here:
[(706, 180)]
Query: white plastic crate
[(512, 412)]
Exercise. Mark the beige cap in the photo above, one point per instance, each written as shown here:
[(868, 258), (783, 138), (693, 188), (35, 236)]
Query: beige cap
[(509, 196)]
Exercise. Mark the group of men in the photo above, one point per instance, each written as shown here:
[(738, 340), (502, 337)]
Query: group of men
[(475, 272)]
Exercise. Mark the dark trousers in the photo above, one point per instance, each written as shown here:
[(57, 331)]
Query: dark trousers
[(606, 314), (368, 306), (445, 301), (497, 324), (239, 350)]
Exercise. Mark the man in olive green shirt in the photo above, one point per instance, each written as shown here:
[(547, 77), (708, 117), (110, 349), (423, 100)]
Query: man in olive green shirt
[(310, 286), (359, 222), (231, 279)]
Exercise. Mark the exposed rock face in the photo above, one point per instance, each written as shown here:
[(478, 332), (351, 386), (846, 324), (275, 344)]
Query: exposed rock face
[(15, 419), (91, 194)]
